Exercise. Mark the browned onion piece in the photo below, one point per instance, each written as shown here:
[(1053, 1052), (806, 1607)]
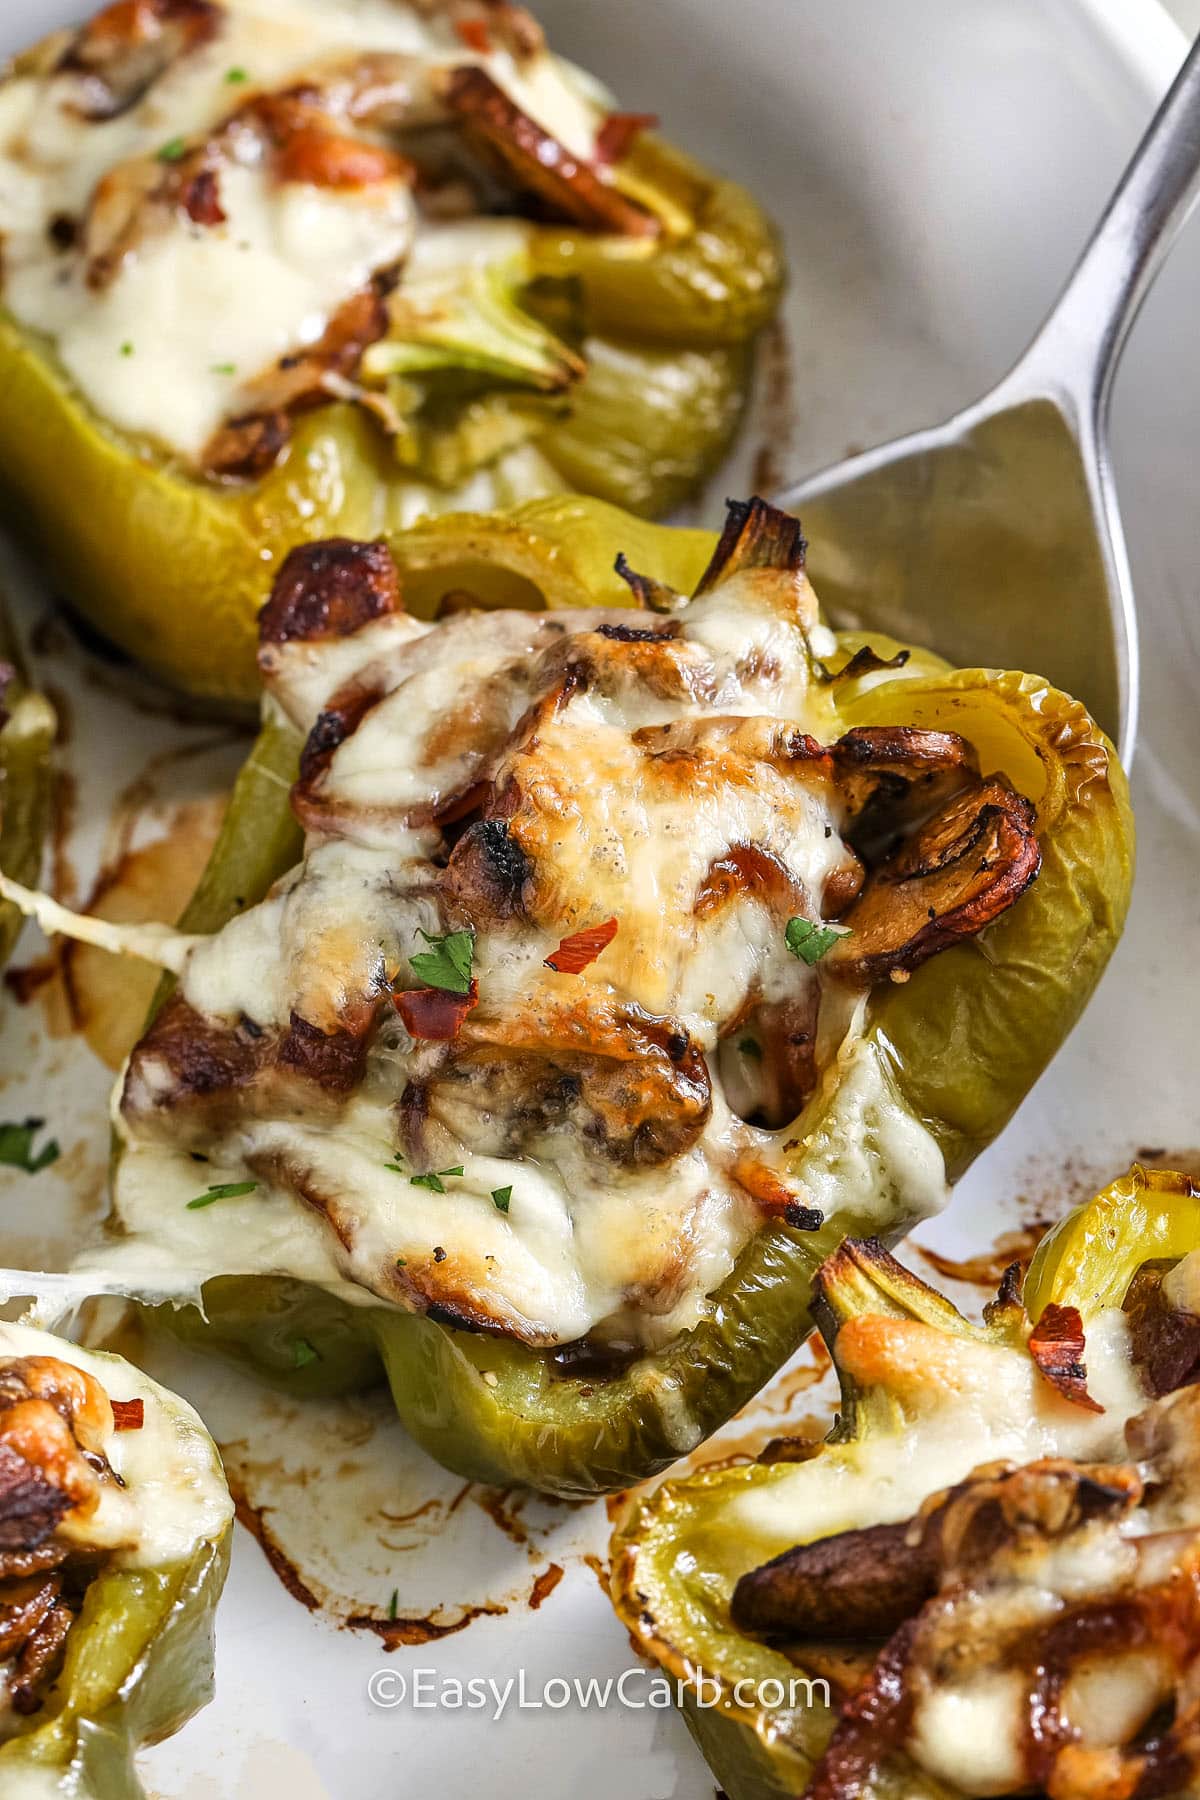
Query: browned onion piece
[(756, 535), (537, 163), (958, 873)]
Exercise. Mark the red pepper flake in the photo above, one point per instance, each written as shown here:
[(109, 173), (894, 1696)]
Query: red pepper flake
[(128, 1415), (475, 35), (202, 199), (1056, 1346), (435, 1013), (618, 132), (581, 948)]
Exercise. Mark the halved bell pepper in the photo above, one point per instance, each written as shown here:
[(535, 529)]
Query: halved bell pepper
[(958, 1044), (173, 566), (921, 1409), (27, 731), (138, 1660)]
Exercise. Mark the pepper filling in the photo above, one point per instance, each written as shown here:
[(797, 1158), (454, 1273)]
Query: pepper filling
[(578, 959), (225, 212)]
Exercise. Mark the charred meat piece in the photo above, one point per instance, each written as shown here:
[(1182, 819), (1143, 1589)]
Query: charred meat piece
[(15, 1565), (23, 1606), (40, 1658), (249, 446), (328, 590), (191, 1077), (958, 873), (30, 1506), (121, 52), (1164, 1339), (562, 185)]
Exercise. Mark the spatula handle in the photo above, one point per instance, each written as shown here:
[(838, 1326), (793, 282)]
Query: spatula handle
[(1080, 344)]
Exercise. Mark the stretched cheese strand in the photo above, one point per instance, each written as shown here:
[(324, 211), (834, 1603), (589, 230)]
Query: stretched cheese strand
[(161, 945)]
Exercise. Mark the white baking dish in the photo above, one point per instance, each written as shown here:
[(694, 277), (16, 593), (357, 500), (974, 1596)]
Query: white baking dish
[(934, 164)]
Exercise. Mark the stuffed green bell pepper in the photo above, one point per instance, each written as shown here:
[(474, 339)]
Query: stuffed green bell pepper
[(275, 272), (987, 1580), (115, 1525), (638, 948)]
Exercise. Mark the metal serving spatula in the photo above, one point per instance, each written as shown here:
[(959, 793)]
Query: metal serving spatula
[(996, 538)]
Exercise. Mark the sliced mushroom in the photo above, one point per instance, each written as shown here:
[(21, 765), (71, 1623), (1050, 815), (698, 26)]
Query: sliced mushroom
[(192, 1078), (636, 1087), (487, 873), (536, 163), (958, 873), (328, 590)]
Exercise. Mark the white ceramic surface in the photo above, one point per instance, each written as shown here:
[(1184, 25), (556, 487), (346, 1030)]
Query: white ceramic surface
[(934, 164)]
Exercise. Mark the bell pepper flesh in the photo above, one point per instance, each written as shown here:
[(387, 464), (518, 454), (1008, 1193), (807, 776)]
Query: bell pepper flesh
[(173, 569), (678, 1555), (960, 1041), (139, 1664), (26, 783)]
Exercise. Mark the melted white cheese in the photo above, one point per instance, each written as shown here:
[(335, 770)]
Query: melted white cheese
[(195, 311), (1003, 1409), (866, 1154), (175, 1495)]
